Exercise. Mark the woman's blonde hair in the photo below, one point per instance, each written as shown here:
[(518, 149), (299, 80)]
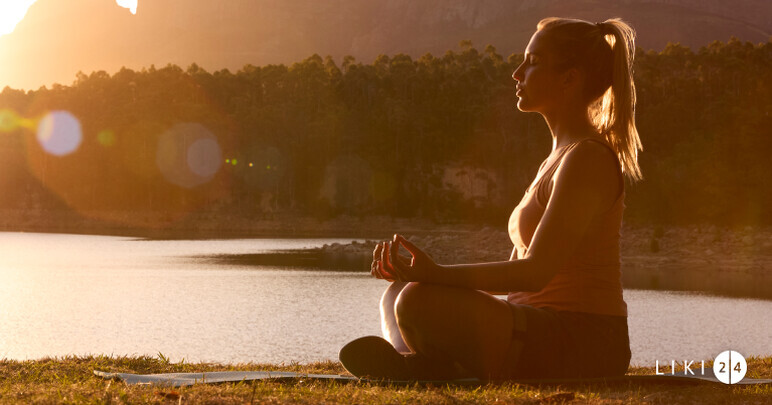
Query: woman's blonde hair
[(604, 52)]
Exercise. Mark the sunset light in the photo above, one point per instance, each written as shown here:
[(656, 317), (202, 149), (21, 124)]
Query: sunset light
[(11, 12), (130, 4)]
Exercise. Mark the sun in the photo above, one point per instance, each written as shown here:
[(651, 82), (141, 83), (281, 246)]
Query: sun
[(130, 4), (11, 12)]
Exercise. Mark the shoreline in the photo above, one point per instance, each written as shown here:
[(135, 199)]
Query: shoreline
[(717, 259)]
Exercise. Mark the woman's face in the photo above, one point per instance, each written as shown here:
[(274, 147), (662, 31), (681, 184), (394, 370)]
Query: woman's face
[(538, 79)]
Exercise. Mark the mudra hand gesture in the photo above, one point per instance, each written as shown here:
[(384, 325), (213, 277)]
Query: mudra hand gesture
[(389, 265)]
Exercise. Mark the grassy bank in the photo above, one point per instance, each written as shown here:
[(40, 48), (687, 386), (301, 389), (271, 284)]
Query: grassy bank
[(70, 380)]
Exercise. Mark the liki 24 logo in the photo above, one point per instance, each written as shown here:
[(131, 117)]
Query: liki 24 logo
[(729, 367)]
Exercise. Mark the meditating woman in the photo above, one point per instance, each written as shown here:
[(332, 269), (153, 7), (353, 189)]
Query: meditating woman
[(564, 316)]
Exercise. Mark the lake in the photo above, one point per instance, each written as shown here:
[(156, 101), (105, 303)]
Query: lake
[(81, 294)]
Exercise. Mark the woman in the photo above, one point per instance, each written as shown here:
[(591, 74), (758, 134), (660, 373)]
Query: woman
[(564, 316)]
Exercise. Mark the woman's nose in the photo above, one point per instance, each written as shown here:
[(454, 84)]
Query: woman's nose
[(517, 76)]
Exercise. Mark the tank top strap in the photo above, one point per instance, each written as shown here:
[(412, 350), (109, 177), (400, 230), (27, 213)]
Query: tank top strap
[(542, 194), (541, 185)]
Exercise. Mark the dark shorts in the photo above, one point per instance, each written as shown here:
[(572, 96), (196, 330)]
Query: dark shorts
[(561, 344)]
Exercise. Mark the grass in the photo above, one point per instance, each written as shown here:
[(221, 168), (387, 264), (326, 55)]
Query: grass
[(71, 380)]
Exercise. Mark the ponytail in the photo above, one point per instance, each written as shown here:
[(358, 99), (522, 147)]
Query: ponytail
[(616, 117)]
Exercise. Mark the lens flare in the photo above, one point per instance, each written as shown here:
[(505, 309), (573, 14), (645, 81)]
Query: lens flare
[(204, 157), (59, 133), (106, 137), (188, 155), (9, 120)]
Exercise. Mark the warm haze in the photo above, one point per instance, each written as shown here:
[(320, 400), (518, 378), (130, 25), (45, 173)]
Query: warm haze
[(58, 38), (11, 12)]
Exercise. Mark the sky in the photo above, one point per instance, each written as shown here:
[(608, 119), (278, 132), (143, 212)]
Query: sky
[(13, 11), (44, 42)]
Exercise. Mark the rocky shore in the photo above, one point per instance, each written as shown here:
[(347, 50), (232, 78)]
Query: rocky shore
[(720, 259), (730, 261)]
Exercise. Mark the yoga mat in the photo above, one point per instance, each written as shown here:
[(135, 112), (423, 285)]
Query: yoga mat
[(184, 379)]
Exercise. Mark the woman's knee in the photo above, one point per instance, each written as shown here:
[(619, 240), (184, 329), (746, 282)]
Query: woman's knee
[(389, 296), (416, 301)]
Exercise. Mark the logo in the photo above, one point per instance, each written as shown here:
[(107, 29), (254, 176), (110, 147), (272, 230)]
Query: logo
[(729, 367)]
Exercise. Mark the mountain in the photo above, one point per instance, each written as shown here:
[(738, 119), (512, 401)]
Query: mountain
[(61, 37)]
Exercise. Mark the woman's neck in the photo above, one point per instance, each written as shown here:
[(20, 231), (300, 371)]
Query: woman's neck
[(569, 127)]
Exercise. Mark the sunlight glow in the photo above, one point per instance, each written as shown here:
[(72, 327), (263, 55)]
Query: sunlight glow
[(11, 12), (59, 133), (130, 4)]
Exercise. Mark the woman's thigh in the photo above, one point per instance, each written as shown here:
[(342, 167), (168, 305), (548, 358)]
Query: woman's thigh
[(468, 326)]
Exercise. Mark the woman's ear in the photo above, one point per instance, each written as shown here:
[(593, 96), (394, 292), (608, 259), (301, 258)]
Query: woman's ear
[(572, 81), (572, 77)]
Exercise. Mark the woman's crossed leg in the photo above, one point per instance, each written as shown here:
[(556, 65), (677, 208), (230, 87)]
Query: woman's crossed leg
[(448, 324)]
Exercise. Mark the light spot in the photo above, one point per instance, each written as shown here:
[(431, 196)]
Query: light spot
[(9, 121), (188, 155), (204, 157), (59, 133), (130, 4), (106, 137), (234, 162)]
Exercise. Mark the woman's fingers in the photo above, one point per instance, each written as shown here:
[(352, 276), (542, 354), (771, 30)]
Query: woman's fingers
[(376, 258), (413, 249), (384, 255), (394, 258), (377, 251), (386, 263), (375, 270)]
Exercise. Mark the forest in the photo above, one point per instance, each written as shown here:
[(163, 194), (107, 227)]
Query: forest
[(437, 137)]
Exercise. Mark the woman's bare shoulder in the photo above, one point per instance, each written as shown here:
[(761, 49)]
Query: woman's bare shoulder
[(592, 165)]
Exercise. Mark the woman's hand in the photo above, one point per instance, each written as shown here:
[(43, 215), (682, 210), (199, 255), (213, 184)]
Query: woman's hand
[(378, 268), (389, 265), (420, 267)]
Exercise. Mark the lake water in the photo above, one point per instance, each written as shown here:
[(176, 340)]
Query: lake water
[(76, 294)]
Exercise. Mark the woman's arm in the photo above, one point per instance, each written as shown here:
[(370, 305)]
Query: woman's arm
[(586, 183)]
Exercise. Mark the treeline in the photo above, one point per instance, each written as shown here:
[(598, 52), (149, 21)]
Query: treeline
[(435, 137)]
